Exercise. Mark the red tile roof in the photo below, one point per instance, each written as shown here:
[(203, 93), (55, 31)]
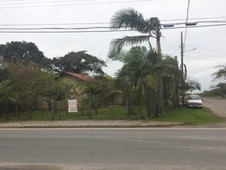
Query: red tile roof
[(82, 77)]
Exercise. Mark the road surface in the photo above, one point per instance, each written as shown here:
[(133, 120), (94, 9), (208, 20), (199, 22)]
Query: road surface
[(217, 106), (114, 149)]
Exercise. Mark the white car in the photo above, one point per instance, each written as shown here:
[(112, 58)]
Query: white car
[(194, 101)]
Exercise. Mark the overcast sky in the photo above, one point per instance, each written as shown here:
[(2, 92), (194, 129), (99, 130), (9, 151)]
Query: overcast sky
[(209, 41)]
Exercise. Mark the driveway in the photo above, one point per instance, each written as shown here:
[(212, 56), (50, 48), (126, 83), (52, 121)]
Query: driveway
[(219, 108), (216, 105)]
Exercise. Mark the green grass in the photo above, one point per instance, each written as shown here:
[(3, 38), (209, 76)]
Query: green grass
[(190, 116), (182, 115)]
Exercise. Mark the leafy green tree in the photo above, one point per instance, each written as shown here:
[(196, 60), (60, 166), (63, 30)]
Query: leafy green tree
[(150, 28), (79, 62), (21, 86), (4, 99), (26, 52), (4, 74), (25, 84)]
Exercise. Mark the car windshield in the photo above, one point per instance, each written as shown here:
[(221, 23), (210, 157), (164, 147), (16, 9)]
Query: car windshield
[(194, 97)]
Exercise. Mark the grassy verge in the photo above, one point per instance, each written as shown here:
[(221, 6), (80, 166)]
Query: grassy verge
[(190, 116), (182, 115)]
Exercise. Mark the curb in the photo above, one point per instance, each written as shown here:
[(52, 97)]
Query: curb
[(89, 124)]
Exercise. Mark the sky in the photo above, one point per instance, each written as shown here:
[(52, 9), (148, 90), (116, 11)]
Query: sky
[(205, 44)]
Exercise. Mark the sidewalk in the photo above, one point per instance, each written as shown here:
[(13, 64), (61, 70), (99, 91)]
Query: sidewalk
[(89, 124)]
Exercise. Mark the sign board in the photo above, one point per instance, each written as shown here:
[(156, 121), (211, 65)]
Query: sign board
[(72, 106)]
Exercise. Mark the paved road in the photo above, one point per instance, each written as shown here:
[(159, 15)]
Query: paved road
[(115, 149), (217, 106)]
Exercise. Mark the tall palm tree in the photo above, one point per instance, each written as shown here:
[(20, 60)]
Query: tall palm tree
[(150, 28), (139, 73)]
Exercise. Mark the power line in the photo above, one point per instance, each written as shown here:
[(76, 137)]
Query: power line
[(66, 4), (55, 28), (3, 26), (81, 23), (63, 32), (85, 29), (107, 23), (197, 26)]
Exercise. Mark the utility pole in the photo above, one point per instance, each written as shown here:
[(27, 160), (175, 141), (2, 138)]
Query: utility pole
[(160, 105), (182, 69), (182, 55)]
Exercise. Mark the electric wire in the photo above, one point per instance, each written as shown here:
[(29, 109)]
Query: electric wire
[(67, 4), (87, 29), (55, 26), (58, 32)]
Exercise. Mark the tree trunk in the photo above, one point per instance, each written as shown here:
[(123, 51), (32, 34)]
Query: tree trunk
[(152, 102), (160, 107), (90, 107), (53, 108), (128, 106), (17, 111)]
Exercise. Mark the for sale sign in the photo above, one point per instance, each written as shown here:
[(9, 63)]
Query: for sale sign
[(72, 106)]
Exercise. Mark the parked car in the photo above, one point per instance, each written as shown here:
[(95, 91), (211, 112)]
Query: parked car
[(194, 101)]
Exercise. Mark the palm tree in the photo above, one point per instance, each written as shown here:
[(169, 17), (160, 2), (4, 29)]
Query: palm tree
[(150, 28), (171, 80), (221, 73), (139, 74)]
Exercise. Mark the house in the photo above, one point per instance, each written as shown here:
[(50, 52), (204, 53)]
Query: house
[(77, 83), (81, 77), (78, 90)]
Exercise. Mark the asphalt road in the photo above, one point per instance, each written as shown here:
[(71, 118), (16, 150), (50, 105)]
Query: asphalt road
[(115, 149)]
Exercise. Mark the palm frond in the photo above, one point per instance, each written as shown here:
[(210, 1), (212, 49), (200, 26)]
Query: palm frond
[(221, 73), (193, 85), (130, 18), (117, 44)]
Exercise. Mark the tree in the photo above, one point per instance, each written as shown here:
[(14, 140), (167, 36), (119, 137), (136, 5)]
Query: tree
[(191, 85), (79, 62), (4, 74), (26, 52), (150, 28), (222, 89), (22, 86), (221, 73), (139, 73), (171, 80)]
